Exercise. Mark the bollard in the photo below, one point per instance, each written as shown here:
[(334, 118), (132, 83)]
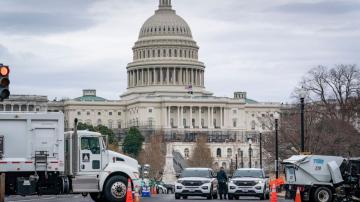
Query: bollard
[(2, 187)]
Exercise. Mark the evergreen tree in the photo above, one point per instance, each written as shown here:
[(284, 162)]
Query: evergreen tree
[(133, 142)]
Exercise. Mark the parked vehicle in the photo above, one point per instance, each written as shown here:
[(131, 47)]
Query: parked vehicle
[(323, 178), (39, 158), (197, 182), (248, 182)]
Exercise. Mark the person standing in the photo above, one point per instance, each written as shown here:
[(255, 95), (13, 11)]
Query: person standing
[(222, 180)]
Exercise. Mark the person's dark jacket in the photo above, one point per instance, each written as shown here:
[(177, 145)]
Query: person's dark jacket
[(222, 180)]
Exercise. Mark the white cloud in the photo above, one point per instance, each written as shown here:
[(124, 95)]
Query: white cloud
[(261, 46)]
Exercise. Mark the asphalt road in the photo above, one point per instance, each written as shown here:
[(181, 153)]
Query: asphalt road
[(79, 198)]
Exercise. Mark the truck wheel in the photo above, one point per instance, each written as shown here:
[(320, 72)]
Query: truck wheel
[(97, 197), (115, 189), (323, 194)]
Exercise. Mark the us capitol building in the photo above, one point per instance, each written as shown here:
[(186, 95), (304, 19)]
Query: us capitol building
[(166, 93)]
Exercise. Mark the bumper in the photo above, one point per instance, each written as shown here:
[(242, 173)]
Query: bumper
[(257, 190), (202, 190)]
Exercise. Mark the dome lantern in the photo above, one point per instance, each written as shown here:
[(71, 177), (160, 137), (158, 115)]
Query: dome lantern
[(164, 4)]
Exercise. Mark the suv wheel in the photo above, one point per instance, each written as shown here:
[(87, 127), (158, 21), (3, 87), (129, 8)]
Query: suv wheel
[(177, 196), (230, 196)]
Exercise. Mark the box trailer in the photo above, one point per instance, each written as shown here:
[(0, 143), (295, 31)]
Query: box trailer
[(38, 157)]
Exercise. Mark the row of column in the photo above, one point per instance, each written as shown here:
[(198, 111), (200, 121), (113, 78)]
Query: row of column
[(15, 107), (165, 76), (198, 123)]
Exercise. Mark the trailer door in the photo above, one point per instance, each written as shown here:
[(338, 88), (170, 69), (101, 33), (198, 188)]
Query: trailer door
[(90, 154)]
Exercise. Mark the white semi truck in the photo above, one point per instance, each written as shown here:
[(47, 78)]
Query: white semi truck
[(39, 158)]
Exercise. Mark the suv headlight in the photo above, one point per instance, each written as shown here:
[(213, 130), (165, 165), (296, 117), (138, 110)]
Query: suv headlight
[(232, 181), (259, 182)]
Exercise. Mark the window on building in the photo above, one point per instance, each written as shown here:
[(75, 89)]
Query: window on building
[(88, 113), (172, 122), (202, 123), (234, 111), (263, 126), (193, 123), (78, 113), (110, 124), (99, 113), (151, 122), (263, 115), (218, 152), (150, 110), (119, 113), (224, 165), (253, 125), (184, 123), (88, 122), (99, 122), (214, 122), (110, 113), (234, 123), (193, 110), (186, 153), (229, 152), (119, 124)]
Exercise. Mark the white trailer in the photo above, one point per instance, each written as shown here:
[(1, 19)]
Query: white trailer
[(39, 158)]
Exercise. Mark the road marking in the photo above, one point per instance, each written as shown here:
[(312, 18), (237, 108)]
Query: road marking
[(48, 198)]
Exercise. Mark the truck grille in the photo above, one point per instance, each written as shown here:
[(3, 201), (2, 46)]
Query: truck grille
[(245, 183), (192, 183)]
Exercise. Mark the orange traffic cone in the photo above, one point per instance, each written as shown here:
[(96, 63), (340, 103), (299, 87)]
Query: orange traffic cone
[(273, 197), (298, 195), (154, 191), (129, 197)]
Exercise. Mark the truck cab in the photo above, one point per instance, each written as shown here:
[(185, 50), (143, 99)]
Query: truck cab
[(96, 170)]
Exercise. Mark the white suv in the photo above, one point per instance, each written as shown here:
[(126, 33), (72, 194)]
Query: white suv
[(248, 182), (197, 182)]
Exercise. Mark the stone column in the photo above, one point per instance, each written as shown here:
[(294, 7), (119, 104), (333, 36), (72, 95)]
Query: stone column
[(221, 117), (174, 76), (181, 117), (169, 117), (191, 125), (142, 77), (155, 76), (148, 81), (191, 76), (178, 117), (200, 126), (167, 76), (212, 117), (161, 76), (208, 110)]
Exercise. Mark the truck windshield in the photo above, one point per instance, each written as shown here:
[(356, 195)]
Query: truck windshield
[(249, 173), (196, 173)]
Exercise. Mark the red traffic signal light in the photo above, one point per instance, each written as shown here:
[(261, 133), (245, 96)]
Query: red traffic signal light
[(4, 82), (4, 70)]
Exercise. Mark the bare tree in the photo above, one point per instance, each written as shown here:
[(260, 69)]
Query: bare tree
[(201, 156), (154, 154), (334, 89)]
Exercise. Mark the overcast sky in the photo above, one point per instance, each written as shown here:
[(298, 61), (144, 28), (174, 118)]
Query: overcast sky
[(263, 47)]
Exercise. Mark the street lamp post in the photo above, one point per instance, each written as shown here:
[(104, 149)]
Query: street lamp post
[(276, 145), (302, 125), (250, 153), (260, 139)]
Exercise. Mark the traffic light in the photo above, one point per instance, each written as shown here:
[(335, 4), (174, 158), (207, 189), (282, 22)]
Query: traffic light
[(4, 82)]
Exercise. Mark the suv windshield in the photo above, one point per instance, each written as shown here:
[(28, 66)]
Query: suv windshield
[(196, 173), (249, 173)]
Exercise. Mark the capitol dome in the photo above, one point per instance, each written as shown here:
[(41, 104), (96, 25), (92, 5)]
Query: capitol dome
[(165, 58), (165, 22)]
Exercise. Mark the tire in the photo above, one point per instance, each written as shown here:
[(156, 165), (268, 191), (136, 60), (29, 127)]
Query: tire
[(185, 197), (97, 197), (115, 189), (230, 196), (237, 197), (323, 194), (263, 196), (177, 196)]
